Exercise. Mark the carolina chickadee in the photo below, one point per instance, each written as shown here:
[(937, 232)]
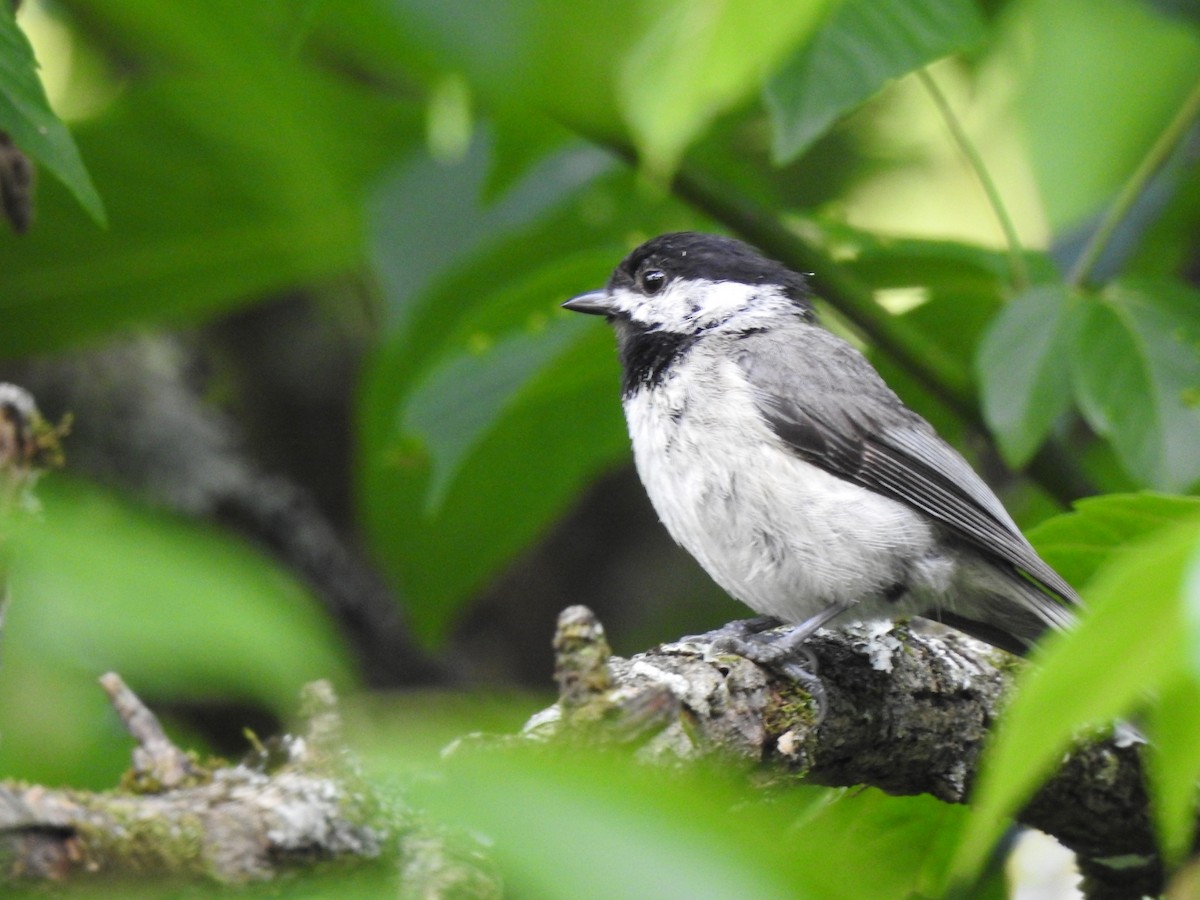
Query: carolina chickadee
[(776, 455)]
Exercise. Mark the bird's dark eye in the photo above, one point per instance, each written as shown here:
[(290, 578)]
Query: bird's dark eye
[(652, 281)]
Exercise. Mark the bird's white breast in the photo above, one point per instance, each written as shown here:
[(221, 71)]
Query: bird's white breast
[(780, 534)]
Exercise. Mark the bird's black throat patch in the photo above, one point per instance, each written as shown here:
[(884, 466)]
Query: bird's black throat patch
[(646, 356)]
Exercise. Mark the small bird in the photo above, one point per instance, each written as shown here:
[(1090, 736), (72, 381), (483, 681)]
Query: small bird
[(777, 456)]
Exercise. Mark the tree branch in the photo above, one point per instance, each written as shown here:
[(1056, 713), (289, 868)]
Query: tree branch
[(908, 711), (175, 817)]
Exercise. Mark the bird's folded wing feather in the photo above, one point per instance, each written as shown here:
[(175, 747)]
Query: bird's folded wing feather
[(868, 437)]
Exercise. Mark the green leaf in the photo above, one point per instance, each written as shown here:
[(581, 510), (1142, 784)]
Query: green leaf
[(1097, 81), (463, 397), (445, 530), (533, 65), (861, 46), (26, 115), (1136, 374), (1173, 760), (1137, 617), (856, 842), (702, 833), (692, 64), (1079, 542), (179, 610), (429, 218), (487, 408), (1023, 369), (628, 833), (245, 176), (438, 514), (863, 828)]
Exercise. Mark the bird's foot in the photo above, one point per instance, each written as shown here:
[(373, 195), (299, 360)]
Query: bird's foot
[(785, 654), (740, 629)]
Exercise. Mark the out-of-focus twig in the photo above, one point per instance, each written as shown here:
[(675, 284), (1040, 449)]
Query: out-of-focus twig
[(223, 823), (16, 185), (28, 446)]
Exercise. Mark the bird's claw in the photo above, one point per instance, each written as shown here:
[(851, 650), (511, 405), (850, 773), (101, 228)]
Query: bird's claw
[(780, 656)]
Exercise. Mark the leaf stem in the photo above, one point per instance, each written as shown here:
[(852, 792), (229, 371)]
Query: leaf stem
[(1016, 256), (1153, 160)]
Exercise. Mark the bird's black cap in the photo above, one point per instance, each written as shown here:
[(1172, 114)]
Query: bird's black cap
[(713, 257)]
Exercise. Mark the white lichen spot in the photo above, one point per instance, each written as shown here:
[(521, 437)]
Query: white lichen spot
[(787, 743), (691, 645), (1126, 735), (672, 681), (542, 726), (672, 743), (675, 682), (297, 748), (881, 645)]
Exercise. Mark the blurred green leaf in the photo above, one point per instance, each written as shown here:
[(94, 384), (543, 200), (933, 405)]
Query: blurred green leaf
[(630, 832), (860, 47), (825, 842), (523, 467), (26, 116), (883, 846), (1094, 74), (588, 825), (177, 609), (1023, 366), (429, 218), (244, 176), (1173, 758), (466, 395), (943, 266), (1079, 542), (449, 502), (1136, 372), (1137, 615), (691, 64), (533, 65)]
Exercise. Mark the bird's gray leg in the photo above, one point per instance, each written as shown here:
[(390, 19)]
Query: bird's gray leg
[(741, 629), (781, 652)]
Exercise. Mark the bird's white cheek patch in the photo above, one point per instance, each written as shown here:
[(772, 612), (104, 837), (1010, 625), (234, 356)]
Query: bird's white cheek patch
[(688, 306), (722, 300)]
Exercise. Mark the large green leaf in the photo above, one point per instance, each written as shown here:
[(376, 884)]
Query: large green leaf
[(1173, 761), (660, 70), (1023, 366), (26, 116), (1136, 368), (450, 501), (1134, 641), (1098, 80), (243, 176), (451, 412), (1079, 542), (627, 833), (700, 833), (692, 64), (861, 46), (177, 609), (487, 408)]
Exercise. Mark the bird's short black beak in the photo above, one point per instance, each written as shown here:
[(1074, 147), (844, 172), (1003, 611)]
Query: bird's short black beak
[(594, 303)]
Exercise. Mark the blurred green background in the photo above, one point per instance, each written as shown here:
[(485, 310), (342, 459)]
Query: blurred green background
[(299, 291)]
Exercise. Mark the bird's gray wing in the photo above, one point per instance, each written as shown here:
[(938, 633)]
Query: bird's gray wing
[(824, 399)]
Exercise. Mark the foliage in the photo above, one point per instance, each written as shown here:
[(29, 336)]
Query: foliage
[(26, 116), (467, 168)]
